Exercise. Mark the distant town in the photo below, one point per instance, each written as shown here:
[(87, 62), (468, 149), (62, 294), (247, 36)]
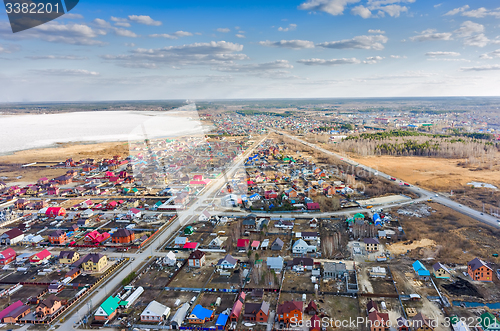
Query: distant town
[(284, 215)]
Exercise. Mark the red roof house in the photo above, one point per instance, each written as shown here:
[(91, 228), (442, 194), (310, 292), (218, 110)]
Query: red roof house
[(237, 307), (40, 257), (7, 256), (55, 211), (243, 244)]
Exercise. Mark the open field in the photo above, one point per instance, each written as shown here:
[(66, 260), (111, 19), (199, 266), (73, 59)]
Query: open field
[(10, 165), (458, 238), (437, 174)]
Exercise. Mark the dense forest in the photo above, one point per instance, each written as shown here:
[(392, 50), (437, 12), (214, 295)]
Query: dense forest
[(412, 143)]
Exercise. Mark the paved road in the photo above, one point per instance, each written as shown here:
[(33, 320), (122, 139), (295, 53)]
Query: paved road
[(424, 194), (136, 259)]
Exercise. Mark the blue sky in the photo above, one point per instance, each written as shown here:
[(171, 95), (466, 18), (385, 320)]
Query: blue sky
[(116, 50)]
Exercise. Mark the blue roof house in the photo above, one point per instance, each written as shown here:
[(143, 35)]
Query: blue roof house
[(421, 271), (200, 315)]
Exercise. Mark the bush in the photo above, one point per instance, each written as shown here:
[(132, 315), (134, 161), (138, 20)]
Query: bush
[(128, 279)]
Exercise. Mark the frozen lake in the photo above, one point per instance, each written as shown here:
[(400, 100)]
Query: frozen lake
[(19, 132)]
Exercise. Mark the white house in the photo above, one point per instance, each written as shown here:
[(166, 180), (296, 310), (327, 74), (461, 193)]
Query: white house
[(11, 237), (87, 213), (134, 213), (275, 263), (155, 312), (205, 216), (301, 247), (228, 262), (170, 259), (215, 243)]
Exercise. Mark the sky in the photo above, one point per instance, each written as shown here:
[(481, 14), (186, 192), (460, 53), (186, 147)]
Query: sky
[(154, 50)]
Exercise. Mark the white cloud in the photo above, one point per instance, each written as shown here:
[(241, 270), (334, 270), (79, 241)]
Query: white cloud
[(73, 16), (378, 31), (223, 30), (294, 44), (290, 27), (394, 10), (240, 35), (125, 33), (438, 5), (74, 34), (469, 28), (144, 19), (475, 13), (441, 53), (332, 62), (212, 53), (332, 7), (123, 24), (175, 35), (491, 55), (56, 57), (373, 59), (9, 49), (431, 34), (66, 72), (118, 19), (398, 56), (457, 10), (254, 67), (361, 11), (101, 23), (482, 68), (374, 42)]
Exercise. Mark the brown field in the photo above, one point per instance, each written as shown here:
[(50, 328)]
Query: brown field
[(10, 165), (437, 174), (453, 237)]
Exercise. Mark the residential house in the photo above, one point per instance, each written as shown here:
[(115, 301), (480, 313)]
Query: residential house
[(10, 309), (7, 256), (312, 308), (11, 237), (237, 307), (257, 312), (371, 244), (420, 322), (196, 259), (379, 321), (440, 271), (313, 223), (94, 262), (55, 211), (275, 263), (73, 273), (58, 237), (94, 237), (249, 223), (204, 217), (123, 236), (107, 310), (479, 270), (277, 245), (14, 315), (216, 243), (228, 262), (313, 206), (302, 263), (334, 270), (315, 323), (243, 244), (180, 241), (290, 312), (403, 324), (170, 259), (40, 257), (200, 315), (300, 247), (189, 230), (134, 213), (155, 312), (420, 270), (48, 306), (68, 257), (255, 245)]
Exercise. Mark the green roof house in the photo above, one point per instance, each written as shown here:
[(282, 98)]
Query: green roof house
[(188, 230), (107, 310), (489, 322)]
